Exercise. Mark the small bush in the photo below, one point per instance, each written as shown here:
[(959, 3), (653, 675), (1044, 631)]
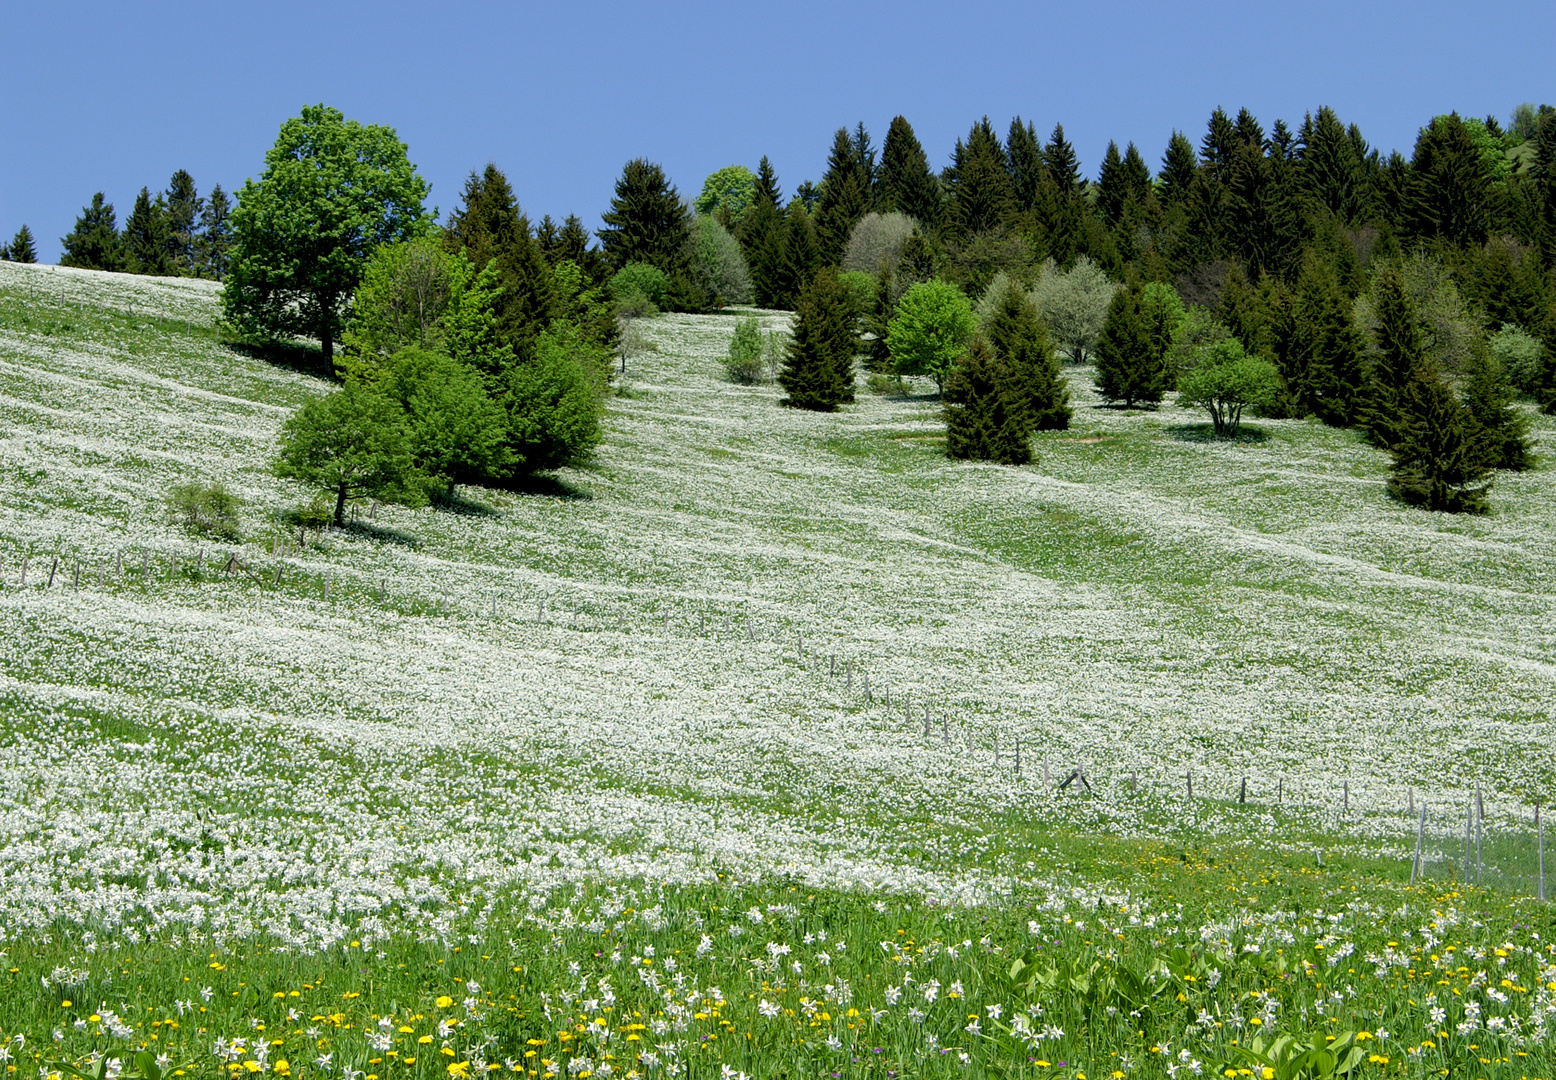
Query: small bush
[(744, 364), (639, 286), (205, 509), (1519, 354), (877, 242)]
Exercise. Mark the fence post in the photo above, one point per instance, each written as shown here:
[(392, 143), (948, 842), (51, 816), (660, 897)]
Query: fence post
[(1347, 803), (1018, 757), (1242, 793), (1540, 825), (926, 720), (1412, 799), (1189, 776), (1415, 867), (1134, 782), (52, 568), (1480, 817), (1469, 849), (25, 560)]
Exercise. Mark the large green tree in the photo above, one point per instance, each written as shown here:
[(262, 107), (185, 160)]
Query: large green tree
[(1438, 463), (978, 180), (1400, 351), (646, 222), (932, 326), (332, 190), (846, 194), (985, 416), (490, 228), (1131, 367), (907, 183), (184, 209), (351, 443), (1450, 185), (94, 243), (818, 372), (1016, 332), (148, 237), (213, 248), (21, 249)]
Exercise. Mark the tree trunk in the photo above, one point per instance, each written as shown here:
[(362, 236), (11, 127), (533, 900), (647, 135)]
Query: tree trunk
[(327, 340), (340, 506)]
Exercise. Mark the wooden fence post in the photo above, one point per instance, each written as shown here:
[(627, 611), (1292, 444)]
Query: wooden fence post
[(1347, 797), (1415, 867), (1540, 828), (1190, 777), (25, 560), (1480, 817), (1242, 793), (52, 568)]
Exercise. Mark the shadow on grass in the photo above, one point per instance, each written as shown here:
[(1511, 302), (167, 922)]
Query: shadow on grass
[(291, 355), (383, 534), (455, 502), (1206, 433), (550, 486)]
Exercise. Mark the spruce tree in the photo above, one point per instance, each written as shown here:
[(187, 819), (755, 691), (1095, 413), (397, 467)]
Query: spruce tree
[(1499, 427), (1439, 463), (1331, 357), (1450, 185), (1178, 167), (184, 207), (1024, 153), (985, 416), (761, 235), (819, 370), (1328, 168), (21, 249), (647, 222), (94, 243), (907, 184), (1215, 149), (1545, 181), (1400, 351), (490, 227), (978, 180), (1016, 333), (845, 197), (1110, 185), (548, 237), (215, 239), (147, 237), (1064, 168), (1129, 367), (797, 253)]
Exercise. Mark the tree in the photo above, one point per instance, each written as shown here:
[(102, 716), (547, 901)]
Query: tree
[(332, 190), (1326, 366), (1438, 463), (877, 242), (1074, 305), (1450, 185), (491, 229), (985, 416), (718, 266), (1497, 425), (1178, 168), (553, 402), (1400, 352), (761, 234), (401, 302), (458, 434), (214, 244), (1518, 354), (978, 180), (1016, 332), (1024, 155), (351, 443), (906, 182), (21, 249), (647, 222), (727, 194), (1330, 171), (94, 243), (1163, 313), (184, 208), (798, 255), (1225, 380), (1130, 367), (931, 328), (818, 372), (845, 194), (147, 237), (1064, 168)]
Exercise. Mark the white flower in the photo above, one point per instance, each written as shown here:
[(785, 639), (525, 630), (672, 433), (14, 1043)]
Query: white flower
[(767, 1008)]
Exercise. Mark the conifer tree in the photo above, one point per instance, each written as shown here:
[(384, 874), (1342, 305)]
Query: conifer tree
[(978, 180), (1016, 333), (1238, 308), (94, 243), (490, 227), (1400, 351), (215, 239), (1248, 130), (184, 207), (819, 370), (548, 237), (1024, 152), (1215, 149), (1328, 168), (21, 249), (1330, 357), (1279, 341), (147, 237), (1499, 428), (761, 234), (1129, 366), (1064, 168), (1178, 167), (845, 197), (1438, 461), (907, 184), (798, 257), (1450, 185), (1545, 181), (985, 416), (1110, 185), (647, 221)]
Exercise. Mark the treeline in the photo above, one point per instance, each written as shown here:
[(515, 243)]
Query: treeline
[(177, 232)]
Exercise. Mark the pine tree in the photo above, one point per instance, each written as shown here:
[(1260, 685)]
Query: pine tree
[(978, 180), (1215, 149), (184, 207), (1498, 426), (1438, 462), (94, 243), (1019, 338), (1545, 181), (845, 197), (1129, 367), (1328, 169), (489, 226), (1024, 153), (548, 237), (21, 249), (1111, 192), (1178, 168), (1400, 351), (761, 235), (819, 370), (985, 416), (647, 221), (1064, 168), (1330, 359), (798, 255), (907, 184), (147, 238), (215, 239), (1450, 185), (1248, 130), (1238, 308)]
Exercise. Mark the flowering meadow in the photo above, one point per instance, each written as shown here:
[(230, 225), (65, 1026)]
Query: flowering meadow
[(600, 763)]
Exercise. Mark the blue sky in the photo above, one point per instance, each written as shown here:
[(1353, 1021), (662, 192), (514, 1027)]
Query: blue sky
[(113, 96)]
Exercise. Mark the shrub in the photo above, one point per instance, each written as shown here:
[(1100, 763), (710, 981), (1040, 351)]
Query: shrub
[(1225, 381), (876, 243), (718, 263), (1519, 355), (554, 405), (205, 509), (1074, 305), (931, 329), (639, 285), (744, 364)]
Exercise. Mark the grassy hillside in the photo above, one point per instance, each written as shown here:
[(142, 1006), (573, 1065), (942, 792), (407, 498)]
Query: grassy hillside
[(602, 682)]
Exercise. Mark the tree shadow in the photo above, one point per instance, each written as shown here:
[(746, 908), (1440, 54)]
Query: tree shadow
[(455, 502), (383, 534), (291, 355), (549, 486), (1206, 433)]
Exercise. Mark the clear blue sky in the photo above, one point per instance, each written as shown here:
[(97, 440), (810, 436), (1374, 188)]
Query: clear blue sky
[(113, 96)]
